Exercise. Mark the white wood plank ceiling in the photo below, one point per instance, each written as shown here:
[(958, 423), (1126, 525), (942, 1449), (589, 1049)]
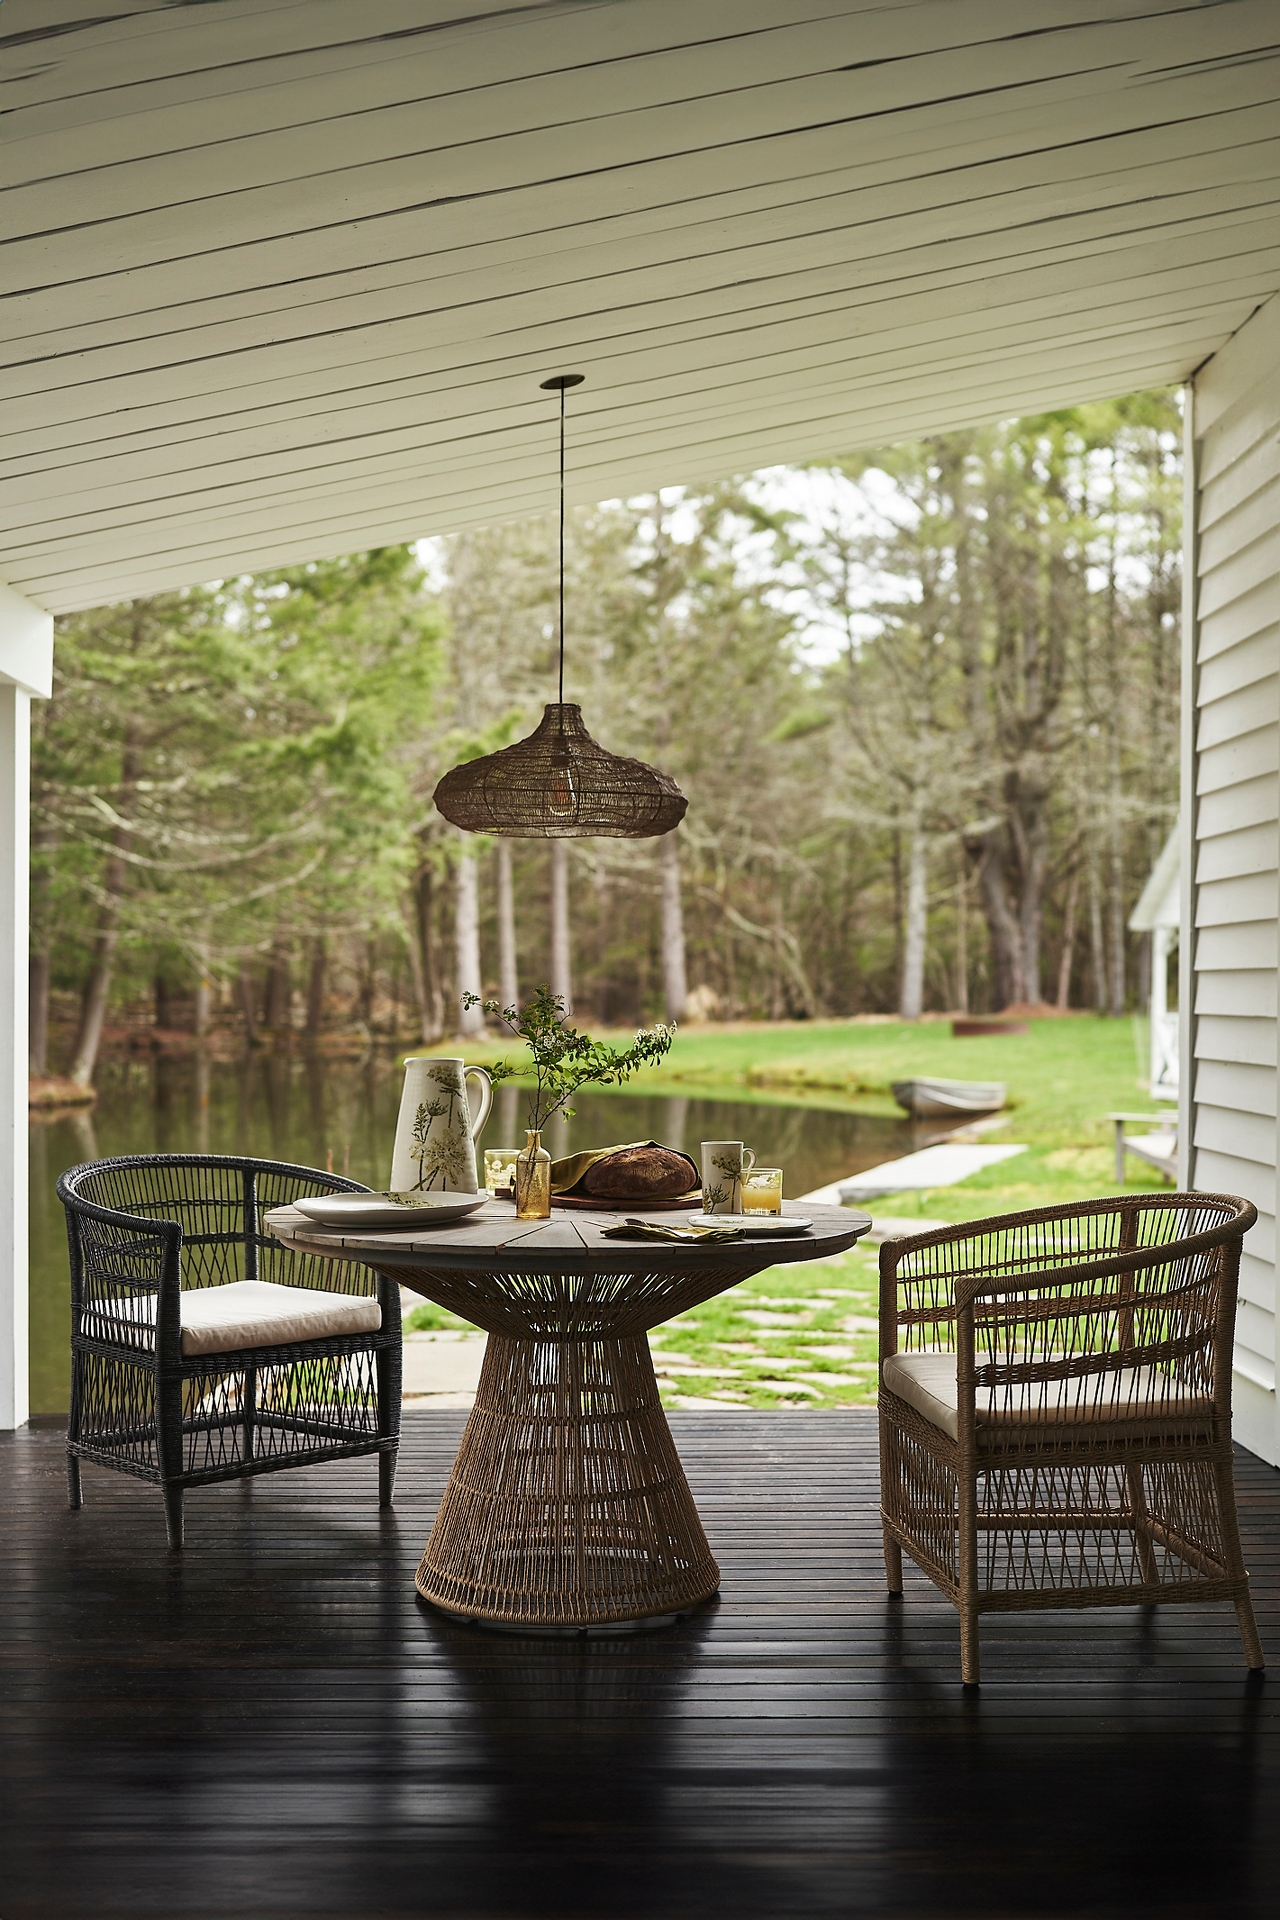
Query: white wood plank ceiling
[(282, 276)]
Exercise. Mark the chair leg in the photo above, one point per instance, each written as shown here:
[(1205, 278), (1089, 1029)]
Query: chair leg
[(75, 1497), (173, 1516), (967, 1542), (892, 1563), (1224, 1481), (388, 1372), (249, 1408), (1255, 1659), (969, 1670), (1141, 1528)]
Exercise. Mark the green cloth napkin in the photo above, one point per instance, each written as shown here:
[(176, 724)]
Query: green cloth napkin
[(658, 1230)]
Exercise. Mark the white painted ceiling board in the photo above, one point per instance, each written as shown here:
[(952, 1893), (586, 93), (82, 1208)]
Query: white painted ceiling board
[(37, 495), (289, 283), (698, 259), (581, 314), (349, 522)]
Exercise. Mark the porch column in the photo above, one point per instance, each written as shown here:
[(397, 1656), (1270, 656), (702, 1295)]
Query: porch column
[(26, 668)]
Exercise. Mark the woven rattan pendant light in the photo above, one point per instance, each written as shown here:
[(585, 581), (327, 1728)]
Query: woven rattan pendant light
[(560, 784)]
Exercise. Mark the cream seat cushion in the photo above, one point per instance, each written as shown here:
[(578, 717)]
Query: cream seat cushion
[(926, 1380), (246, 1313), (257, 1313)]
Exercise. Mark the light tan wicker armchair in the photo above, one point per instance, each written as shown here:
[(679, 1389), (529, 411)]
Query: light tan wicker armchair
[(1055, 1408)]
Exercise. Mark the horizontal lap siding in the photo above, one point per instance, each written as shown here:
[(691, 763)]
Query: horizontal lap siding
[(1236, 732)]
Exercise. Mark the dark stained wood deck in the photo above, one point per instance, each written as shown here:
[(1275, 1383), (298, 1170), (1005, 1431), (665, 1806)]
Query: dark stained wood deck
[(274, 1726)]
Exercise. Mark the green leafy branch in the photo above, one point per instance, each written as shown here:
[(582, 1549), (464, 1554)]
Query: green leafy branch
[(565, 1059)]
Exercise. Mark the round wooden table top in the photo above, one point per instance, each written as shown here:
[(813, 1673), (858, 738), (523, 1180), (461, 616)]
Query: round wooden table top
[(492, 1237)]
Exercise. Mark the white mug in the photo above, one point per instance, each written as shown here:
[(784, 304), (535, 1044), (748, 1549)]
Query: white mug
[(435, 1150), (723, 1164)]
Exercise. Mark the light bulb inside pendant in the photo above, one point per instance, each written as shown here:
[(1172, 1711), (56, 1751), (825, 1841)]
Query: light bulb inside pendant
[(562, 795)]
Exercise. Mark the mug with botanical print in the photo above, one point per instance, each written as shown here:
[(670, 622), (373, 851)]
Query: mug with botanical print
[(723, 1164)]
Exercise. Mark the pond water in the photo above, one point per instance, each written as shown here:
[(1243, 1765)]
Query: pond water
[(283, 1107)]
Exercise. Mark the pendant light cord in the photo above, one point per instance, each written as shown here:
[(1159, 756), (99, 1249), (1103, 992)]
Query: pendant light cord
[(562, 391)]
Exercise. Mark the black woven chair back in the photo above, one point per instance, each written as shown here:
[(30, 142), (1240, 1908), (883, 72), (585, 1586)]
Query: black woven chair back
[(218, 1202)]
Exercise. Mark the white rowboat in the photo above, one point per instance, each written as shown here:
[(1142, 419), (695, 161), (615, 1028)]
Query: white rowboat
[(936, 1099)]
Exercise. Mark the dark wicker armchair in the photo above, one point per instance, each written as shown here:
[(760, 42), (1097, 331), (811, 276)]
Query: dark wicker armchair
[(202, 1349), (1055, 1408)]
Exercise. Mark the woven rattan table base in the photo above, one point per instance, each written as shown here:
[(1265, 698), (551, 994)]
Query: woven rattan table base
[(567, 1505)]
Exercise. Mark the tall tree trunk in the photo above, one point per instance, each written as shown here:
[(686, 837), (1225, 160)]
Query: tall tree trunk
[(248, 1004), (1116, 984), (1097, 948), (413, 945), (604, 986), (1115, 846), (431, 1000), (675, 984), (93, 1001), (1068, 944), (1002, 925), (915, 929), (160, 997), (204, 988), (38, 1030), (279, 1002), (368, 983), (470, 1020), (508, 977), (896, 871), (962, 936), (561, 960), (317, 980)]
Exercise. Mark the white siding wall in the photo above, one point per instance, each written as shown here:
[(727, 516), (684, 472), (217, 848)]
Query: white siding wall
[(1232, 758)]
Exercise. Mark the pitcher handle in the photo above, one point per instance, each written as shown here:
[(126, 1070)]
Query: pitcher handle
[(486, 1099), (748, 1161)]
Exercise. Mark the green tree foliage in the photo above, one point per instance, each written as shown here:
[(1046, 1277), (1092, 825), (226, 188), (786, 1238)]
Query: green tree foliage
[(226, 770), (923, 704)]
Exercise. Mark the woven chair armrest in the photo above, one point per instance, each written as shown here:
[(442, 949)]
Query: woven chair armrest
[(935, 1309)]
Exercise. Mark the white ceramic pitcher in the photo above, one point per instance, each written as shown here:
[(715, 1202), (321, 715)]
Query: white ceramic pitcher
[(435, 1148)]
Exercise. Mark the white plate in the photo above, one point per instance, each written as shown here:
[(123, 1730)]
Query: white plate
[(390, 1209), (759, 1223)]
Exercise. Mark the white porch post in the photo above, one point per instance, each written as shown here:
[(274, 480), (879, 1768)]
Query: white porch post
[(26, 667)]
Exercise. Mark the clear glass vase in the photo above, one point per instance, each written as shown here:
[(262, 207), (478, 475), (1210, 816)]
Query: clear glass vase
[(533, 1179)]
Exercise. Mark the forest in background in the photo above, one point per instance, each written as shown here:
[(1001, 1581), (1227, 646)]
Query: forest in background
[(927, 728)]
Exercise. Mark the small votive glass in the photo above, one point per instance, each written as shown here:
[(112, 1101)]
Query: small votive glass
[(762, 1190), (500, 1169)]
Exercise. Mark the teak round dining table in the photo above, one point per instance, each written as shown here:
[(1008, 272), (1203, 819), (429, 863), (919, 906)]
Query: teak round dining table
[(567, 1505)]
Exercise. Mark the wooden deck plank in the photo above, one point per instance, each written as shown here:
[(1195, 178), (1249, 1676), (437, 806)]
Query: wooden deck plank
[(275, 1726)]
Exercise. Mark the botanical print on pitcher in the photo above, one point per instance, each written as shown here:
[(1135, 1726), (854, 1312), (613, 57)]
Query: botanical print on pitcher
[(443, 1159), (435, 1135)]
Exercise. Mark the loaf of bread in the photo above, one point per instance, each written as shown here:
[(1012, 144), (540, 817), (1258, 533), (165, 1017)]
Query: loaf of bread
[(641, 1173)]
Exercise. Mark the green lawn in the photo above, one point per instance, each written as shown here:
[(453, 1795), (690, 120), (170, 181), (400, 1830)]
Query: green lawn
[(805, 1335)]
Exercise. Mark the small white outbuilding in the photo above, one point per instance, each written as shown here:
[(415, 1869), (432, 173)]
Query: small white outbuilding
[(1159, 913)]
